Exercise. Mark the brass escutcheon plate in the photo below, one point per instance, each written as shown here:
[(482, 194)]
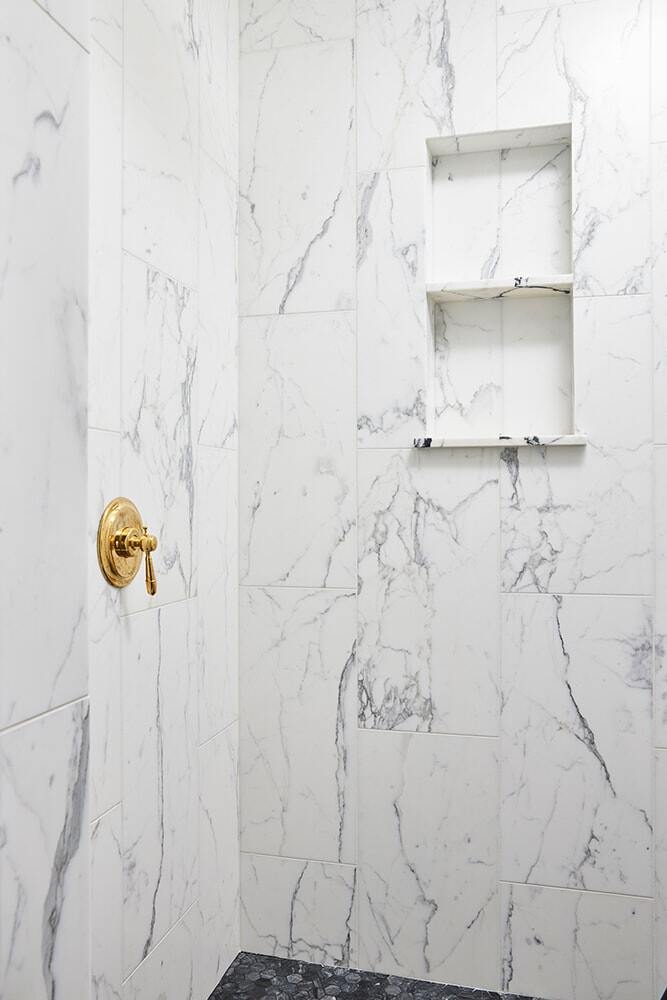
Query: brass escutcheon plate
[(118, 515)]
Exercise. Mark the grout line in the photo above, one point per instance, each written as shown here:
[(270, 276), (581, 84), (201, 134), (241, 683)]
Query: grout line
[(14, 726), (126, 979), (312, 861), (417, 732), (352, 589), (61, 26), (218, 733), (569, 888), (156, 607), (105, 812)]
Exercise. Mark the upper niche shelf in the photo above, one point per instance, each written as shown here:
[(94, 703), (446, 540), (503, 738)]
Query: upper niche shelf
[(500, 288)]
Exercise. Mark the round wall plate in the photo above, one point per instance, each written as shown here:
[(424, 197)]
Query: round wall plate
[(118, 515)]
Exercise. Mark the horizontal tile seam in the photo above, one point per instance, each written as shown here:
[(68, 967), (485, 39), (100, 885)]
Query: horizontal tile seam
[(62, 27), (105, 812), (587, 892), (312, 43), (126, 979), (288, 857), (12, 727), (219, 732)]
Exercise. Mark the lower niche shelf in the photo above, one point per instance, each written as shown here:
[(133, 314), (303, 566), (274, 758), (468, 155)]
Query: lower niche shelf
[(503, 441)]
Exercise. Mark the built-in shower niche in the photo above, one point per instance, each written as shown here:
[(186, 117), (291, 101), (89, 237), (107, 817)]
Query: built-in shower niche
[(499, 283)]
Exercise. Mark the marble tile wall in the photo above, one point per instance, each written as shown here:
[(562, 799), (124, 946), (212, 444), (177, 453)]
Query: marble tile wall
[(163, 369), (501, 762), (45, 746)]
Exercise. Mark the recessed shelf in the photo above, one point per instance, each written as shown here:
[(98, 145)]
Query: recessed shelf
[(500, 288), (530, 441)]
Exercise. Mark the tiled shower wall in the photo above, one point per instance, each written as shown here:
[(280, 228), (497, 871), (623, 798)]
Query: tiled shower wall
[(452, 719), (163, 431)]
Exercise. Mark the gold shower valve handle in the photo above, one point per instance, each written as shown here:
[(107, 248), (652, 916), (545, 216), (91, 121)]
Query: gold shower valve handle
[(122, 541)]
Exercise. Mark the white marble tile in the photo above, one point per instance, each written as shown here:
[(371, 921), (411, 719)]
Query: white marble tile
[(297, 183), (218, 336), (579, 521), (218, 42), (576, 801), (658, 72), (465, 216), (158, 419), (106, 916), (43, 303), (660, 953), (297, 467), (303, 910), (428, 901), (660, 499), (270, 24), (104, 667), (392, 317), (217, 592), (535, 211), (564, 945), (159, 192), (298, 723), (44, 858), (659, 286), (521, 6), (424, 69), (552, 67), (170, 971), (160, 64), (72, 15), (428, 591), (105, 261), (160, 776), (218, 939), (468, 397), (106, 26)]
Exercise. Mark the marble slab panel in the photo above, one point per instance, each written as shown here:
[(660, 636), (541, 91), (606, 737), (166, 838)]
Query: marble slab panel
[(428, 591), (660, 935), (659, 287), (553, 68), (297, 465), (218, 592), (298, 723), (579, 521), (44, 856), (43, 306), (564, 945), (296, 179), (299, 909), (424, 69), (392, 317), (218, 335), (106, 914), (270, 24), (105, 234), (104, 659), (658, 72), (158, 420), (218, 44), (218, 937), (576, 800), (160, 820), (428, 903), (660, 652)]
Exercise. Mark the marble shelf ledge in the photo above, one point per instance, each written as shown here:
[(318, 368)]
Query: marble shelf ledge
[(498, 288), (503, 441)]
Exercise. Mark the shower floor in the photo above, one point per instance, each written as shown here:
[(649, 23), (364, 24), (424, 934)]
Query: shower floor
[(256, 977)]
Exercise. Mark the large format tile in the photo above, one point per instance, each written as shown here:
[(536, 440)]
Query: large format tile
[(171, 968), (425, 68), (106, 209), (579, 520), (218, 42), (106, 26), (392, 317), (44, 859), (299, 909), (218, 336), (72, 15), (106, 915), (270, 24), (157, 450), (428, 905), (428, 590), (43, 293), (659, 287), (554, 66), (218, 592), (660, 483), (658, 71), (576, 799), (660, 935), (298, 723), (297, 464), (297, 183), (160, 772), (104, 667), (564, 945), (218, 938)]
